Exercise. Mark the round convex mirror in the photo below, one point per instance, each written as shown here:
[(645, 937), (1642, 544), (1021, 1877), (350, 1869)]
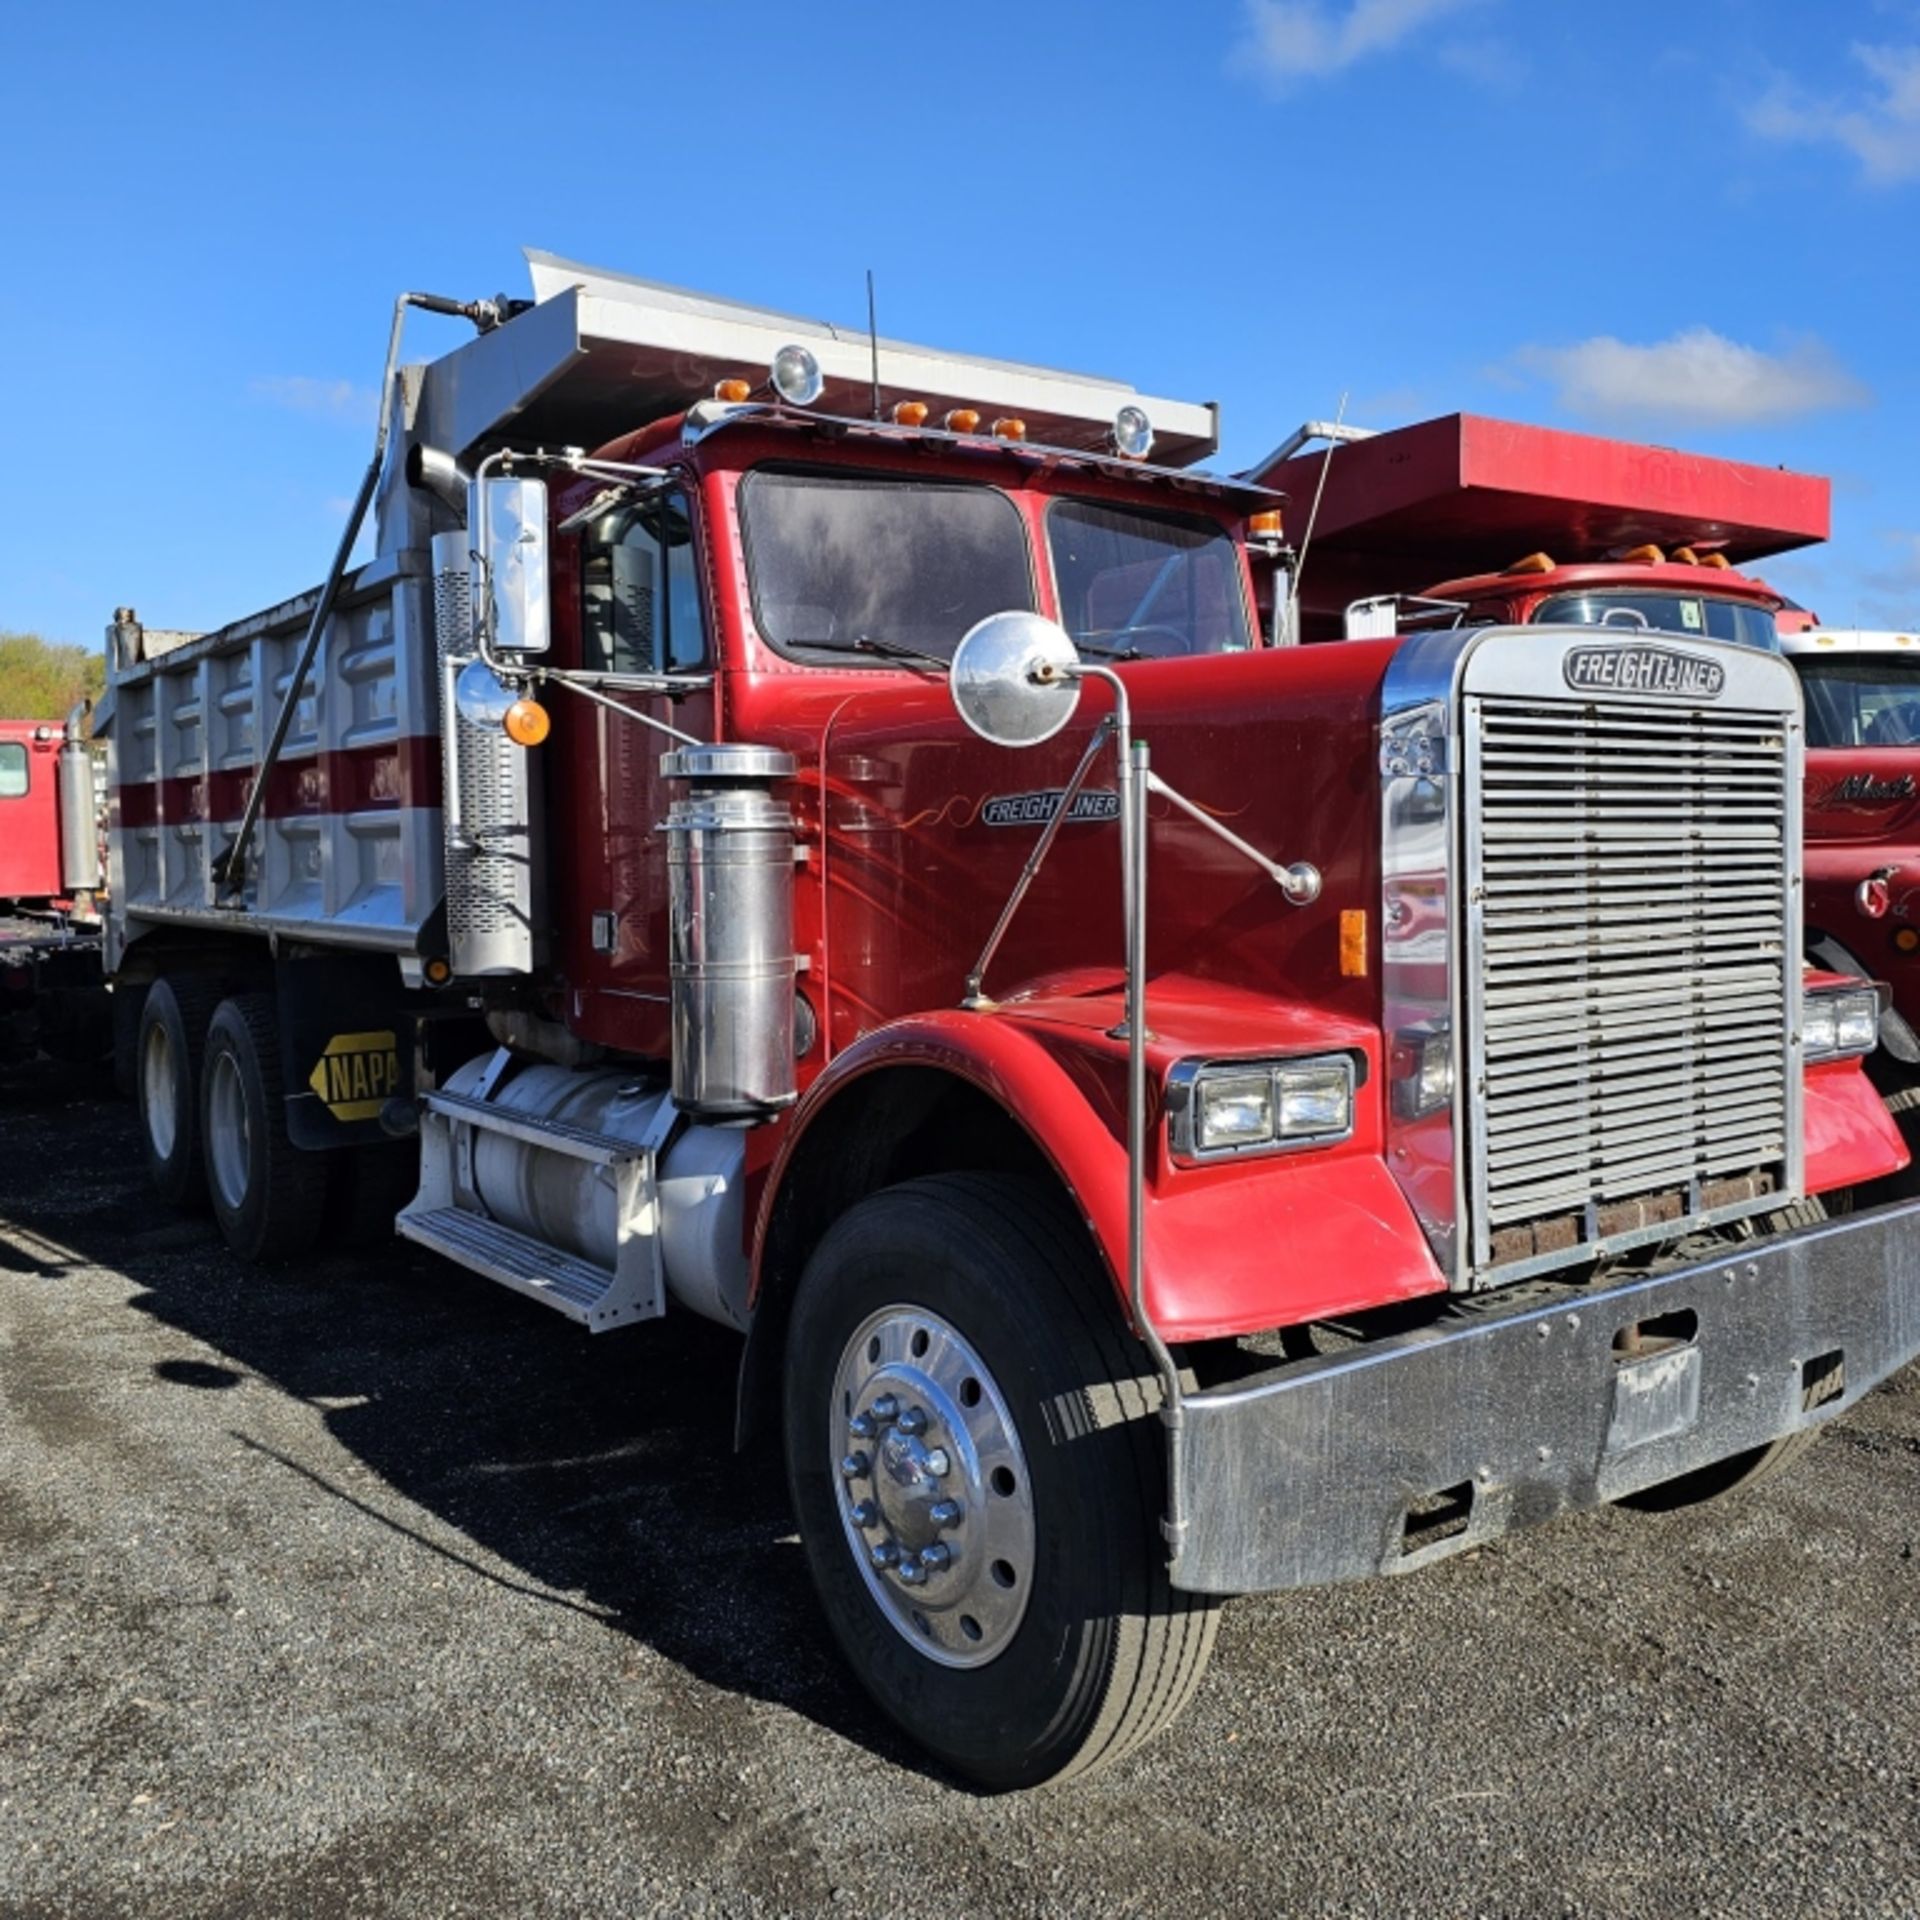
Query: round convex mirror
[(1012, 679)]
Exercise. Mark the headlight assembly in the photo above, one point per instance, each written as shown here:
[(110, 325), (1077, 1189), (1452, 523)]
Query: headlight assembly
[(1219, 1109), (1835, 1024)]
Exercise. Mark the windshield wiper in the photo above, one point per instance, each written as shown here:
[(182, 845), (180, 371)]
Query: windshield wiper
[(1109, 653), (886, 649)]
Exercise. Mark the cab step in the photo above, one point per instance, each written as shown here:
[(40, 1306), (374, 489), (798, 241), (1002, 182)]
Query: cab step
[(588, 1295)]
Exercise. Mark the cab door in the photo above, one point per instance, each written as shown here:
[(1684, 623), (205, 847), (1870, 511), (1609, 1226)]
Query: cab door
[(644, 642)]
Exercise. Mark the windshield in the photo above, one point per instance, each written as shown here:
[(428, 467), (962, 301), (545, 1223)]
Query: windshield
[(1861, 700), (1735, 620), (1143, 585), (841, 564)]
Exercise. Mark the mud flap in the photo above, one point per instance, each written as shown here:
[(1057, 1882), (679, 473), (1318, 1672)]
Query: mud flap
[(346, 1045)]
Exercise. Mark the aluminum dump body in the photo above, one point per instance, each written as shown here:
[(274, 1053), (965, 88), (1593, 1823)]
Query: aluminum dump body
[(348, 848)]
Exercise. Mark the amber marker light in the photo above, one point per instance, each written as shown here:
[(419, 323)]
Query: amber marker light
[(909, 413), (963, 420), (1264, 526), (1715, 560), (733, 392), (1533, 563), (1647, 556), (437, 972), (1353, 943), (1009, 429), (1906, 939), (527, 723)]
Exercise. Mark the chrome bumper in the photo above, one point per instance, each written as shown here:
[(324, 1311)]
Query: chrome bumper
[(1390, 1456)]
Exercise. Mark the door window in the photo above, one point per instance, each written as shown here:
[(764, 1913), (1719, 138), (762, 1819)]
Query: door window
[(640, 589), (13, 770)]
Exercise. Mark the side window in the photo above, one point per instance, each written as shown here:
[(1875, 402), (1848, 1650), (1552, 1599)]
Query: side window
[(640, 590), (13, 770)]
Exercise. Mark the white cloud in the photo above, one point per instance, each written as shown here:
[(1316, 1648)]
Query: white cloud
[(1697, 376), (1291, 40), (1881, 131), (330, 399)]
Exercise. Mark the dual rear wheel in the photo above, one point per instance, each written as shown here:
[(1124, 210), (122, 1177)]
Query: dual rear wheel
[(212, 1095)]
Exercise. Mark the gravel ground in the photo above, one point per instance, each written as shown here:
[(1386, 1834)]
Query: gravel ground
[(374, 1590)]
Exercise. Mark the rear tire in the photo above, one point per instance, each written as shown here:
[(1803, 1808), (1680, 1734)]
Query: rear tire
[(1724, 1478), (268, 1196), (169, 1050), (1040, 1646), (370, 1184)]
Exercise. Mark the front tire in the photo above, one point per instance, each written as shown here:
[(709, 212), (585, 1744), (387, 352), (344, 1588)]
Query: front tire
[(979, 1480), (268, 1196)]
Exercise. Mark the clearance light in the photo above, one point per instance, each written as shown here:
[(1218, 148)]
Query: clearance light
[(1835, 1025), (1132, 433), (527, 723), (909, 413), (1009, 429), (1218, 1109), (1906, 940), (1685, 557), (1533, 563), (1353, 943), (1647, 556), (796, 376), (733, 392), (963, 420), (1264, 526), (1714, 560), (437, 972)]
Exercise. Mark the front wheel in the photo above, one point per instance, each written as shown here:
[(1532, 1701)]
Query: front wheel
[(979, 1478)]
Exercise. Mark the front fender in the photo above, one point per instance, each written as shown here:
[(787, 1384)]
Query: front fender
[(1228, 1251)]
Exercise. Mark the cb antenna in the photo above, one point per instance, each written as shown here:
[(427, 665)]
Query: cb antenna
[(873, 341)]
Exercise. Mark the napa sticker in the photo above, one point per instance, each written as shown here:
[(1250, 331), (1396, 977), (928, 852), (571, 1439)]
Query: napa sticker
[(357, 1075), (1665, 672)]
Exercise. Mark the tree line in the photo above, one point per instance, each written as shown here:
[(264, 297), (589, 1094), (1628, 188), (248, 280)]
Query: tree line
[(41, 679)]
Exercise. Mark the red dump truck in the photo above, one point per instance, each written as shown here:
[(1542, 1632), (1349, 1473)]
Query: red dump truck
[(1468, 521), (808, 831), (51, 994)]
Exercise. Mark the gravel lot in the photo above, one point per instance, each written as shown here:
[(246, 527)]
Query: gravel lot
[(374, 1590)]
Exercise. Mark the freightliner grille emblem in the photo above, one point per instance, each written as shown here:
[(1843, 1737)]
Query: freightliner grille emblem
[(1662, 671), (1036, 809)]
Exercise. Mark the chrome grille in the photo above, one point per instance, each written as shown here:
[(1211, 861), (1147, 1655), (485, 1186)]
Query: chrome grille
[(1628, 991)]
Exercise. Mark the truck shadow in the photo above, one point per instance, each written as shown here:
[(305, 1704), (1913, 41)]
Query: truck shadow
[(594, 1474)]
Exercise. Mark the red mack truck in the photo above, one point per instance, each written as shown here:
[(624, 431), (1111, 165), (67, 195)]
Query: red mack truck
[(1470, 521), (51, 993), (808, 831)]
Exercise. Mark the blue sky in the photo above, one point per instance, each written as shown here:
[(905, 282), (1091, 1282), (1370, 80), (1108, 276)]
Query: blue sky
[(1695, 224)]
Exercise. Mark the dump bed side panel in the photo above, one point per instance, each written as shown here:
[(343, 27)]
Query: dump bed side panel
[(348, 847)]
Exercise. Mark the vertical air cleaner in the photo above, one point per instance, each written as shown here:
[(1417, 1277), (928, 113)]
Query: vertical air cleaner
[(730, 904)]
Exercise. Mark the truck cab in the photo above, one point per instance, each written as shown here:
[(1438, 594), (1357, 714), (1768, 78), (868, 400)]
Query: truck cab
[(812, 832)]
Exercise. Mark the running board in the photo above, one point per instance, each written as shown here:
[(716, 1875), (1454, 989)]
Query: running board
[(586, 1294), (450, 1217)]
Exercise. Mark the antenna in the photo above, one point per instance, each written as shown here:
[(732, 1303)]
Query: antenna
[(873, 338), (1313, 514)]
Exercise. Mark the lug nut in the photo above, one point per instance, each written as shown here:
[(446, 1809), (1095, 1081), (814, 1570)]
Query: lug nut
[(861, 1426), (912, 1573), (938, 1464), (885, 1408), (884, 1555), (855, 1466), (914, 1420), (934, 1559), (945, 1513), (864, 1513)]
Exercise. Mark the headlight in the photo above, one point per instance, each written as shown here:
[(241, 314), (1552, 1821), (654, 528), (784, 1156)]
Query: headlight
[(1216, 1109), (1836, 1024), (1132, 433)]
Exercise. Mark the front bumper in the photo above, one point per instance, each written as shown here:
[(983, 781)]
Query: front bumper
[(1392, 1455)]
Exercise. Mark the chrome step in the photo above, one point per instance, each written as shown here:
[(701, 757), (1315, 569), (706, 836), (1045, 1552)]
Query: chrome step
[(586, 1294)]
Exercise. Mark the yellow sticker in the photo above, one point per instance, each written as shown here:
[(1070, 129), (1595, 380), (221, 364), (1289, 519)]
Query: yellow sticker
[(357, 1075)]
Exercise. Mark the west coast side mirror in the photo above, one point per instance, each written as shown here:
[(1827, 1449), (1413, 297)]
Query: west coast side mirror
[(510, 567), (1015, 678)]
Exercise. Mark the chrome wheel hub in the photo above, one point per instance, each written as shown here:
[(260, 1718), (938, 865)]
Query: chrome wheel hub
[(227, 1134), (157, 1090), (933, 1486)]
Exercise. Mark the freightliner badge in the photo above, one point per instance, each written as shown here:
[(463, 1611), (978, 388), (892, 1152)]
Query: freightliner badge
[(1665, 672)]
